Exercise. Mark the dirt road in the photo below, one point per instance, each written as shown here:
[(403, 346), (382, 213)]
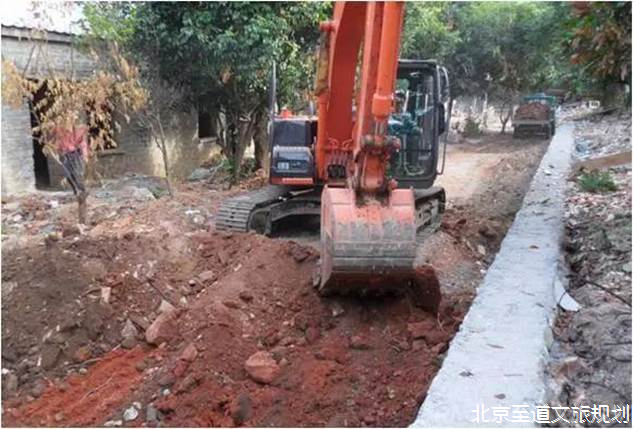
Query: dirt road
[(152, 315)]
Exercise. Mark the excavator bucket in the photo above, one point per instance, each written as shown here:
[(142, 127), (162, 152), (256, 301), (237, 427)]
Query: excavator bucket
[(369, 246)]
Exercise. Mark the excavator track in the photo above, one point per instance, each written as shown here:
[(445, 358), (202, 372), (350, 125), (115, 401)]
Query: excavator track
[(429, 207), (235, 213), (250, 211)]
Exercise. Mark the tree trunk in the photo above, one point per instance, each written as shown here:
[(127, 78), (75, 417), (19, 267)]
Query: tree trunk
[(484, 112), (161, 142), (238, 136), (232, 145), (260, 139), (165, 156), (504, 118)]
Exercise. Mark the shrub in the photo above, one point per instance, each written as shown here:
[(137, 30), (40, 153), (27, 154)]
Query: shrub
[(597, 181), (471, 127)]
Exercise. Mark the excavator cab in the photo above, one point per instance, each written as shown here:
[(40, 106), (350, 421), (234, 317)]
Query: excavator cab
[(418, 121)]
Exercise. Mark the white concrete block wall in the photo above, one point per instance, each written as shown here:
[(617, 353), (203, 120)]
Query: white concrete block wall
[(18, 175)]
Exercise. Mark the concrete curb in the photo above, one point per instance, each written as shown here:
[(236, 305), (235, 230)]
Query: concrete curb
[(498, 356)]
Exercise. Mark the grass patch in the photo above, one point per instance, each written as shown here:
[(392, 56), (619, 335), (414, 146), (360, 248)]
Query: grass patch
[(597, 182)]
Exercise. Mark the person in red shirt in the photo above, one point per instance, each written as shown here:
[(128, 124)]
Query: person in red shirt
[(72, 147)]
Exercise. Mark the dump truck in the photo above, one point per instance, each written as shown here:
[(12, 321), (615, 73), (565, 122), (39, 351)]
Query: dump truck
[(535, 116)]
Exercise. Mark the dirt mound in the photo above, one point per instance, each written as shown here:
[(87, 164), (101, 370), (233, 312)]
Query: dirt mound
[(341, 361), (532, 111), (214, 301)]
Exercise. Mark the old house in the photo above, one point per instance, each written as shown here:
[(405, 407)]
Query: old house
[(24, 165)]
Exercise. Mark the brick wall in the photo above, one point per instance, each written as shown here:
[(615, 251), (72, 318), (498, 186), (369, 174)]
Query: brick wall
[(37, 59), (41, 58)]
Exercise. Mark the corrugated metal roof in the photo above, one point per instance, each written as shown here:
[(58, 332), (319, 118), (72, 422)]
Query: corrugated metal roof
[(59, 17)]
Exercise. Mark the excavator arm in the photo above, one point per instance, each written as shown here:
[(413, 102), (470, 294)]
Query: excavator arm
[(368, 226)]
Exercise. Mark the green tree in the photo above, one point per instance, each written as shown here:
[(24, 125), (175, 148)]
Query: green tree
[(222, 54), (495, 49)]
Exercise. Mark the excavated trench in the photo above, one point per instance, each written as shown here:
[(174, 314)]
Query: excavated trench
[(78, 361)]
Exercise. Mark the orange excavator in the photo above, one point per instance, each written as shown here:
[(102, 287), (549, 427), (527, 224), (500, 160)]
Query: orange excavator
[(366, 164)]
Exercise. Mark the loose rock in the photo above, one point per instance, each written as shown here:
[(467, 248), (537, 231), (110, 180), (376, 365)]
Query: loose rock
[(206, 276), (312, 334), (50, 354), (38, 389), (246, 296), (230, 304), (151, 415), (141, 366), (129, 330), (105, 294), (359, 343), (10, 384), (162, 328), (189, 353), (82, 354), (199, 174), (167, 380), (165, 307), (262, 368), (299, 253), (129, 343), (241, 408), (130, 414), (419, 329)]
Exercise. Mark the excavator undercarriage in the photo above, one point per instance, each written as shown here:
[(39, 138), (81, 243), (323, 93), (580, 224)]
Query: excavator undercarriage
[(263, 209)]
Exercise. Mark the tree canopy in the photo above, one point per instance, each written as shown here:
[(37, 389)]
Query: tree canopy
[(221, 53), (498, 47)]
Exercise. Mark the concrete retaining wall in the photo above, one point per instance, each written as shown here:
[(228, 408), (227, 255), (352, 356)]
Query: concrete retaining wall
[(497, 358)]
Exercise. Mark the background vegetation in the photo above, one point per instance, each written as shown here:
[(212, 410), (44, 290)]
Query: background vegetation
[(216, 57)]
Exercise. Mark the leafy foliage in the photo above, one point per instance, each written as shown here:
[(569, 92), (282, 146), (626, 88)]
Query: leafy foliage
[(112, 22), (429, 31), (67, 101), (507, 48), (602, 39), (220, 53)]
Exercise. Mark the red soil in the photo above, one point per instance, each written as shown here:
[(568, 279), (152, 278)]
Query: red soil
[(262, 300)]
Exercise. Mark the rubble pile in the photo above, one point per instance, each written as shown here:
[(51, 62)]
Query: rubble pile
[(592, 355), (603, 135), (210, 329)]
